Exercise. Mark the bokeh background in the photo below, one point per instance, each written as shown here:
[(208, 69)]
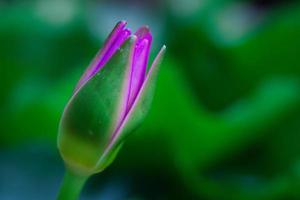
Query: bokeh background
[(225, 121)]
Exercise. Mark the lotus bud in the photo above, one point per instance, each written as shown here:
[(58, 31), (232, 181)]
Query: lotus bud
[(110, 100)]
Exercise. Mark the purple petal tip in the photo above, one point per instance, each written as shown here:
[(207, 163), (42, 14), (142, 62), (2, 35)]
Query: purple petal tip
[(123, 22)]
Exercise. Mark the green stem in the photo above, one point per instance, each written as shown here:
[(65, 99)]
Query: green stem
[(71, 186)]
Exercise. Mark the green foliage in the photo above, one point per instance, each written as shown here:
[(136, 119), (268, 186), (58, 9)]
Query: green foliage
[(224, 123)]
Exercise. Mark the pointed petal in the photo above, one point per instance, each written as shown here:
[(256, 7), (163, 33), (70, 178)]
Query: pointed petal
[(115, 39), (124, 35), (138, 70), (92, 114), (140, 61), (138, 111), (144, 33)]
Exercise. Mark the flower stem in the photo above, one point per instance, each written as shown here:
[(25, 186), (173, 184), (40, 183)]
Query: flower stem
[(71, 186)]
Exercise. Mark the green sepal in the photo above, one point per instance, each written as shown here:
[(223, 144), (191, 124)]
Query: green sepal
[(136, 114), (92, 114)]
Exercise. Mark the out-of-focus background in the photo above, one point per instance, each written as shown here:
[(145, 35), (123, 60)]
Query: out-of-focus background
[(225, 121)]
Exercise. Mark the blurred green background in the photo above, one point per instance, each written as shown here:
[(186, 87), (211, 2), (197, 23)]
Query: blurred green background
[(225, 121)]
